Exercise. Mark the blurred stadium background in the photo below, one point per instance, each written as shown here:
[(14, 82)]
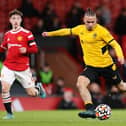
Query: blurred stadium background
[(59, 60)]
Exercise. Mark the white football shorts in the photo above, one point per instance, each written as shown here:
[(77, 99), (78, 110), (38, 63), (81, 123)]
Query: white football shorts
[(24, 77)]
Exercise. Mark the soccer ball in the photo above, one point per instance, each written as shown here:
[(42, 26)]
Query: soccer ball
[(103, 111)]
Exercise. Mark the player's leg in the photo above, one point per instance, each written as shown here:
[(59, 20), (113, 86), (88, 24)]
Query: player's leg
[(7, 78), (37, 90), (25, 78), (82, 83), (41, 90), (122, 86)]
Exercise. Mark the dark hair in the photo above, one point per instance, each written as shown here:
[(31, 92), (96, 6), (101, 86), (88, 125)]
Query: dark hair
[(15, 11), (89, 12)]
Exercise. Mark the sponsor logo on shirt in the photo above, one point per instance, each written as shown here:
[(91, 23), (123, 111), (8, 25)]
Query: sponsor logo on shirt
[(12, 45)]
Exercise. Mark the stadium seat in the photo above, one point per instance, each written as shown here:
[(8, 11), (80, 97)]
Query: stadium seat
[(12, 4), (116, 37), (27, 23), (94, 4), (62, 6), (123, 44), (39, 5)]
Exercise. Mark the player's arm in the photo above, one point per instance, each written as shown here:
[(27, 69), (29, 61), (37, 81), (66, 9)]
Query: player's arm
[(32, 47), (118, 51), (3, 45), (62, 32), (111, 41)]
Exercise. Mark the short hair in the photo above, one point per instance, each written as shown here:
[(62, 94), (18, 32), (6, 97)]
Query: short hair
[(89, 12), (15, 11)]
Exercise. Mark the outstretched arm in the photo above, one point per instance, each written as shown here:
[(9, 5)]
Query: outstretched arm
[(64, 31), (60, 32)]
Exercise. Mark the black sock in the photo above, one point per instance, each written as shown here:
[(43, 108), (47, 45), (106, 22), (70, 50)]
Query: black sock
[(89, 106), (38, 87), (8, 107)]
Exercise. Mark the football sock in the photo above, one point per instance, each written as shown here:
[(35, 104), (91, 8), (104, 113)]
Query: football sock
[(37, 90), (7, 102), (8, 107)]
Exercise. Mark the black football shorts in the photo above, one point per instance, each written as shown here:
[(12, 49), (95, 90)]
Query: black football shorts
[(110, 73)]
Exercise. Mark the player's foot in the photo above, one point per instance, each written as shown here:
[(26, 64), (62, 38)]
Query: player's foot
[(87, 114), (8, 116), (42, 91)]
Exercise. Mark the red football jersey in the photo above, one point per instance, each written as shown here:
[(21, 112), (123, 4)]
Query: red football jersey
[(13, 40)]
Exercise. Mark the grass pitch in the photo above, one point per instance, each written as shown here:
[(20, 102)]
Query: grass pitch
[(61, 118)]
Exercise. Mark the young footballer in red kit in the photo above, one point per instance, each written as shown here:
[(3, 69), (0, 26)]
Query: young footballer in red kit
[(18, 43)]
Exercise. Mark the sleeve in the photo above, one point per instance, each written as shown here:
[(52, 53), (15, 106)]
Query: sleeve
[(60, 32), (65, 31), (75, 30), (117, 48), (3, 45), (32, 46), (108, 38)]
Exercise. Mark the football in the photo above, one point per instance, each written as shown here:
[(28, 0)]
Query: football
[(103, 112)]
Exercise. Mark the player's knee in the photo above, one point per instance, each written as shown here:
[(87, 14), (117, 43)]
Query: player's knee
[(5, 87), (82, 81)]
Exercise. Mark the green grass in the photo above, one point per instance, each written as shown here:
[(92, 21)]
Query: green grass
[(61, 118)]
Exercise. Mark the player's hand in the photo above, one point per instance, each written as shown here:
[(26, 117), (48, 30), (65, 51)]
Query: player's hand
[(121, 60), (22, 50), (45, 34)]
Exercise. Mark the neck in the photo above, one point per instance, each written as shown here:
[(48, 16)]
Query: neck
[(15, 28), (92, 28)]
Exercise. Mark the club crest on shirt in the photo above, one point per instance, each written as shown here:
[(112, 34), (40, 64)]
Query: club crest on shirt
[(94, 35), (82, 33), (19, 38)]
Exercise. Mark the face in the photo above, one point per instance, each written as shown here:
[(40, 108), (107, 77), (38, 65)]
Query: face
[(90, 22), (68, 96), (15, 20), (60, 82)]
